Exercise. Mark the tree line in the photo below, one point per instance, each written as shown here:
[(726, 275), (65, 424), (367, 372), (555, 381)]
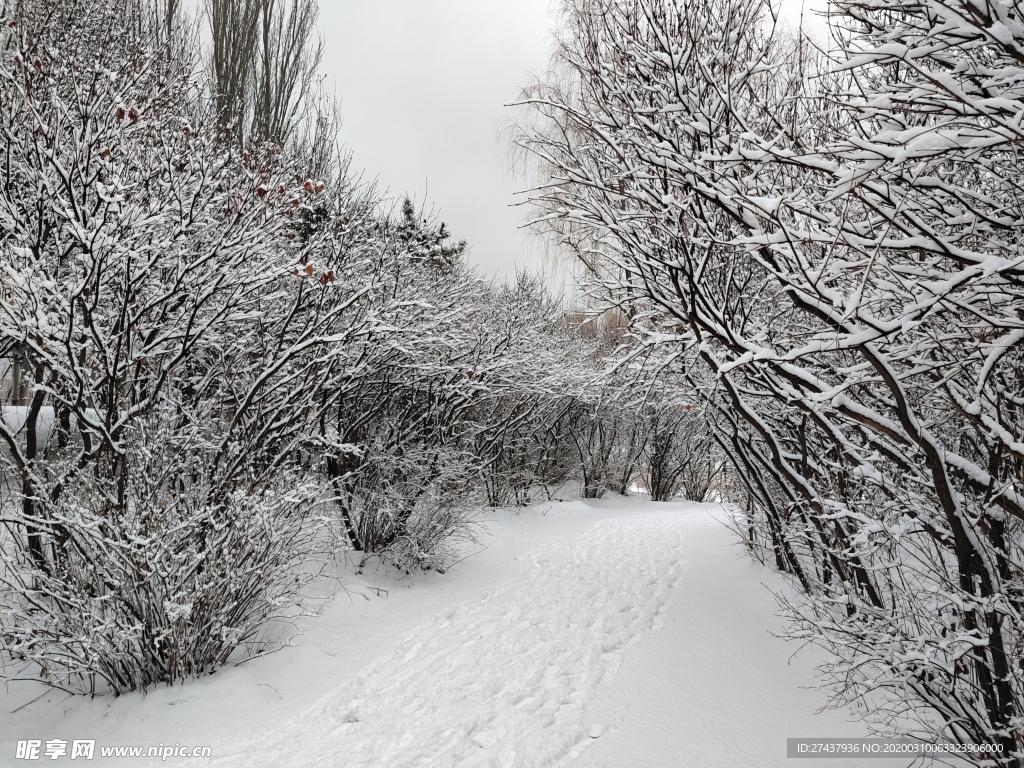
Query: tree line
[(228, 358)]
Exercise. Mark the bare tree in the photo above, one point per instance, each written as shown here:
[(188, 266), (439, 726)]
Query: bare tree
[(288, 59), (234, 28), (264, 61)]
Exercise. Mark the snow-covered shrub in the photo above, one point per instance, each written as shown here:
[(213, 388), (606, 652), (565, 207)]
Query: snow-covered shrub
[(471, 386), (413, 436), (164, 310), (411, 509), (523, 435), (524, 448), (681, 455), (596, 434), (170, 586), (553, 459)]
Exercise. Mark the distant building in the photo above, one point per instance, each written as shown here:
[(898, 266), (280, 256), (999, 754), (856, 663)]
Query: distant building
[(609, 324)]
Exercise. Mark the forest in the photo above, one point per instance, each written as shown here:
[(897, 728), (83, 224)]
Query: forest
[(228, 361)]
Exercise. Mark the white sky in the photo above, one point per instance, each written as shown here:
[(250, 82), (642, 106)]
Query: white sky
[(423, 84)]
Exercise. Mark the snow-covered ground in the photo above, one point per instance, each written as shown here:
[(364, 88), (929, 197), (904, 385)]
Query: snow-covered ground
[(615, 633)]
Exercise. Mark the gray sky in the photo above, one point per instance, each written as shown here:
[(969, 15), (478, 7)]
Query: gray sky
[(422, 84)]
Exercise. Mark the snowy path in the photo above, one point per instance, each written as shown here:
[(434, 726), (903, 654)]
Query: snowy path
[(715, 689), (611, 634), (503, 680)]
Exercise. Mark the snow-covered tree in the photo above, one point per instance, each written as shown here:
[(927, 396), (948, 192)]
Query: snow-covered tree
[(835, 239), (169, 303)]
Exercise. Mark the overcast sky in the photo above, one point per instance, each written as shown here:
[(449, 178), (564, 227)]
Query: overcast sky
[(423, 83)]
